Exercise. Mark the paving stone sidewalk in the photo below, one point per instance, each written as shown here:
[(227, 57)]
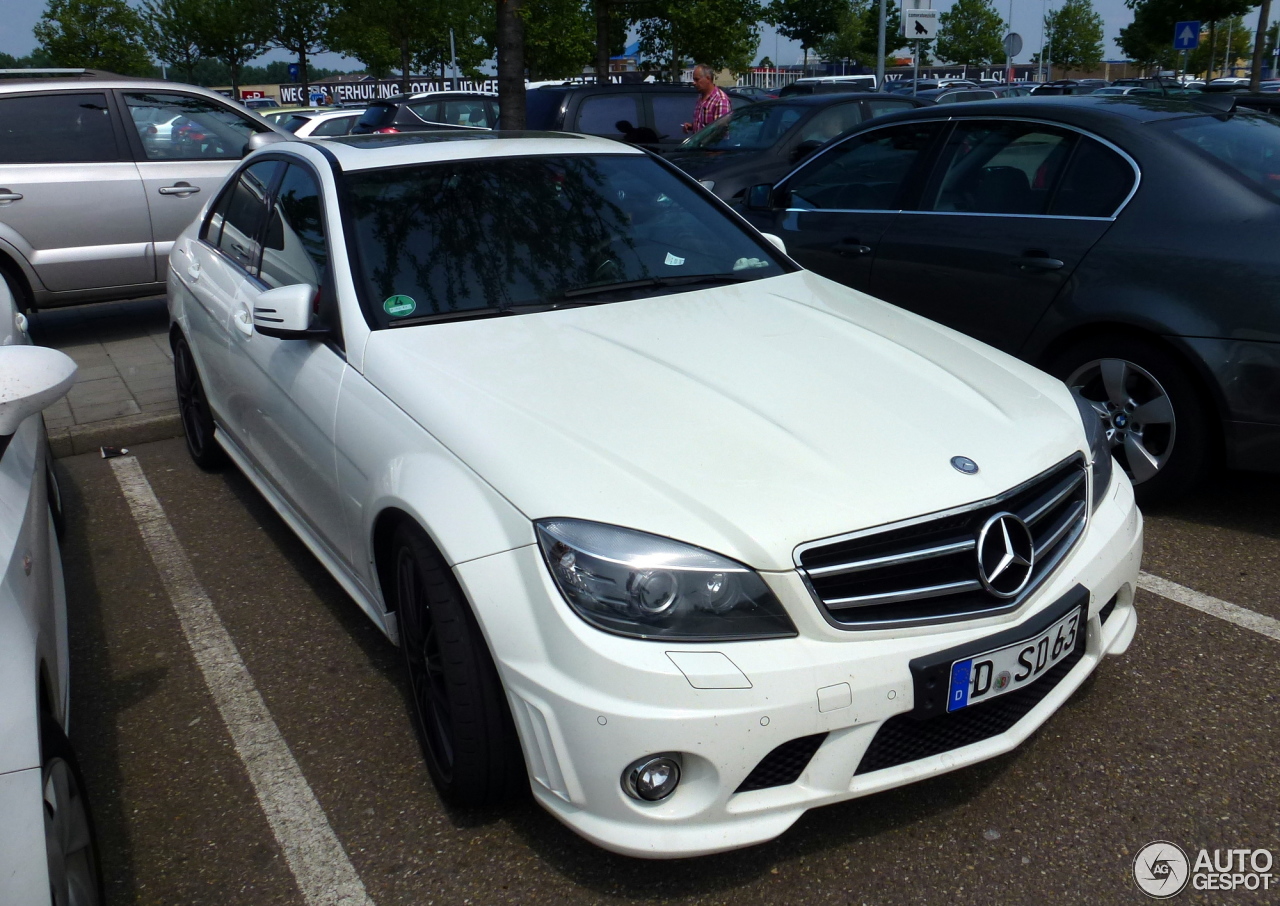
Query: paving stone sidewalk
[(124, 392)]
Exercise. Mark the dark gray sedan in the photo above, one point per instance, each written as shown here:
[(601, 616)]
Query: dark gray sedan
[(1125, 244)]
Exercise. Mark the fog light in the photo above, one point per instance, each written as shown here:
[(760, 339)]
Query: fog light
[(652, 778)]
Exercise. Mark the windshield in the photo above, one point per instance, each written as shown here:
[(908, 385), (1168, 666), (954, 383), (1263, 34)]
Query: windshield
[(756, 127), (1247, 145), (473, 238)]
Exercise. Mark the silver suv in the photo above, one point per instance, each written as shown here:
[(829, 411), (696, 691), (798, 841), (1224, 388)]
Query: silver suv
[(99, 174)]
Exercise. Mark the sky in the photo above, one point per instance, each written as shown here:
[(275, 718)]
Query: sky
[(20, 16)]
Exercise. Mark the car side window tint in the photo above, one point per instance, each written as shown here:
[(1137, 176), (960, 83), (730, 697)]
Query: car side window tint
[(600, 115), (296, 246), (880, 108), (427, 110), (243, 215), (868, 172), (56, 129), (671, 112), (339, 125), (1097, 182), (831, 122), (188, 127), (467, 112), (1000, 167)]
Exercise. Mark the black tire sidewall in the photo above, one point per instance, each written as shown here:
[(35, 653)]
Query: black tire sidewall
[(55, 744), (488, 768), (210, 456), (1193, 450)]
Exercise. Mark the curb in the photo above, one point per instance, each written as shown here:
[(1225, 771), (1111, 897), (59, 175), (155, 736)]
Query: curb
[(119, 432)]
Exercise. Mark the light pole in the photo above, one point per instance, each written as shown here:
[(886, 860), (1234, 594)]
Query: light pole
[(1044, 13), (880, 44), (1008, 57)]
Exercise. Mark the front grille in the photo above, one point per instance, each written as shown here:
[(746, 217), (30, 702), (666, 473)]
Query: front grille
[(926, 570), (783, 765), (905, 738)]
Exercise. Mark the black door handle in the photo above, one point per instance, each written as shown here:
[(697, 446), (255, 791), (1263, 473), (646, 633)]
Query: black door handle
[(1037, 263), (850, 247)]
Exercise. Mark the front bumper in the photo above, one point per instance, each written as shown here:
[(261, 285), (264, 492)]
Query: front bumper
[(588, 704)]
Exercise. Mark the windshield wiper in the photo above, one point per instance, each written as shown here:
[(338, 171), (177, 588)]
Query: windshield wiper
[(657, 283)]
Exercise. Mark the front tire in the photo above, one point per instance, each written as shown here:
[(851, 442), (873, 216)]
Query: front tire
[(1155, 414), (460, 710), (193, 406), (75, 870)]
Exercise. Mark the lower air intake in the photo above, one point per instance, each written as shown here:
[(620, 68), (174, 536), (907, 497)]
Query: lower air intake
[(783, 765)]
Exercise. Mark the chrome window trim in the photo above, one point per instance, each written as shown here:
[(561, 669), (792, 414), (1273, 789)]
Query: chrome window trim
[(1133, 164)]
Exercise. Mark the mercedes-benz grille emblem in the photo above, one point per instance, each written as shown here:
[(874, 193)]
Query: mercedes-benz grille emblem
[(1006, 555), (964, 464)]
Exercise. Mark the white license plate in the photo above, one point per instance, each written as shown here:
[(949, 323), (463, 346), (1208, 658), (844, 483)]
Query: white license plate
[(985, 676)]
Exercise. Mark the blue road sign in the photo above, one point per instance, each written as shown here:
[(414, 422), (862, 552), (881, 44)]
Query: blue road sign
[(293, 72), (1186, 36)]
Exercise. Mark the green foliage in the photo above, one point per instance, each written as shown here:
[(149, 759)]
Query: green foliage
[(37, 59), (808, 22), (172, 31), (970, 33), (724, 34), (1149, 40), (98, 34), (301, 27), (559, 38), (413, 34), (1213, 51), (1074, 32), (855, 37), (234, 32)]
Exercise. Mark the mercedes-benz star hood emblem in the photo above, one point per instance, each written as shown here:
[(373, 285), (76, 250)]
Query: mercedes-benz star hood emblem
[(964, 464), (1006, 555)]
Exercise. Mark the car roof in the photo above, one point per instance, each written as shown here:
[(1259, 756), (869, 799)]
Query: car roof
[(420, 95), (368, 152), (1080, 110), (91, 78), (821, 100), (604, 89)]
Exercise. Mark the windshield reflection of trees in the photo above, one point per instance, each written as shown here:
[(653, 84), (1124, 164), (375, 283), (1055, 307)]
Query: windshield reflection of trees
[(490, 234)]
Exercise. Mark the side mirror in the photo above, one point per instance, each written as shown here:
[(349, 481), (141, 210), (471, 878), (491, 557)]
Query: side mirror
[(777, 241), (760, 198), (31, 378), (285, 313), (804, 149), (261, 140)]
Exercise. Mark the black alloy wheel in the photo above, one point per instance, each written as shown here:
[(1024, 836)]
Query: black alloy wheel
[(459, 707), (75, 870), (1155, 415), (193, 407)]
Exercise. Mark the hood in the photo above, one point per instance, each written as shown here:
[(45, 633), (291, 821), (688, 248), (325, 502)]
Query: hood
[(745, 419)]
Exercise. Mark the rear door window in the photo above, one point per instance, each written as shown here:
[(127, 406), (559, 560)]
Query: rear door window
[(56, 129), (1097, 182), (999, 167), (601, 114), (829, 123), (670, 113), (467, 112), (338, 125), (188, 127)]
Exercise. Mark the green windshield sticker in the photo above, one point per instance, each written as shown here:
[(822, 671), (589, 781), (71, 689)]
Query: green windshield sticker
[(399, 306)]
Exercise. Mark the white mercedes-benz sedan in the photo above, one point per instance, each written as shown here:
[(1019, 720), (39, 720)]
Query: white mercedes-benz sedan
[(684, 537)]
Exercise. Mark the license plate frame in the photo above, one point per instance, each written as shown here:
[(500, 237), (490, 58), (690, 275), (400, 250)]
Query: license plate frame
[(983, 677)]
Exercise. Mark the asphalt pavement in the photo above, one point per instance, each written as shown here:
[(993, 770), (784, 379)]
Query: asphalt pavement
[(1176, 740)]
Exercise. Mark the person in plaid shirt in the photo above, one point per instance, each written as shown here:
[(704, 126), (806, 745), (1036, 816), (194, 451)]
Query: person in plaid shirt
[(713, 102)]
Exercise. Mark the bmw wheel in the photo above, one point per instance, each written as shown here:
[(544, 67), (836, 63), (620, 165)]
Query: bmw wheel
[(1154, 414), (193, 406), (459, 707)]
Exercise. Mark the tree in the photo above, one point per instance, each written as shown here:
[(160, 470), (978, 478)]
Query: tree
[(766, 63), (302, 28), (96, 34), (970, 33), (810, 22), (855, 37), (1148, 41), (234, 32), (724, 34), (172, 32), (1221, 51), (511, 91), (1074, 32), (404, 34), (559, 38)]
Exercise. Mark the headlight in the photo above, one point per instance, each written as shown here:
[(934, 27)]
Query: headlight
[(1100, 461), (650, 587)]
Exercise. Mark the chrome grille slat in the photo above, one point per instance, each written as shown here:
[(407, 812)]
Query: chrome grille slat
[(925, 569), (911, 594), (929, 553), (1064, 526), (1034, 516)]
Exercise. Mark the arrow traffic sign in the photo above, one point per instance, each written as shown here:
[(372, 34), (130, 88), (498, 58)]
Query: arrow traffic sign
[(920, 24), (1186, 36)]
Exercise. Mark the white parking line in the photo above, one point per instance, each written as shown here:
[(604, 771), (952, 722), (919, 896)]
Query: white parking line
[(1223, 610), (324, 874)]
